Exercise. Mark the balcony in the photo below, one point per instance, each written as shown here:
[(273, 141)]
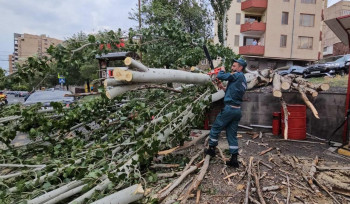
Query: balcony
[(252, 50), (255, 28), (256, 6)]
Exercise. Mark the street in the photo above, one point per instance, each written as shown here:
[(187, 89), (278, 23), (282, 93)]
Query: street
[(13, 100)]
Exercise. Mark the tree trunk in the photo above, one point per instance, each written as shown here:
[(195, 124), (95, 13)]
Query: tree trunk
[(66, 194), (113, 82), (286, 82), (307, 102), (56, 192), (119, 90), (224, 28), (125, 196), (285, 111), (135, 64), (161, 76), (307, 89), (317, 87), (253, 83), (277, 86)]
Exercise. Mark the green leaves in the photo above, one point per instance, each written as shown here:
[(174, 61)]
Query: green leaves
[(91, 39)]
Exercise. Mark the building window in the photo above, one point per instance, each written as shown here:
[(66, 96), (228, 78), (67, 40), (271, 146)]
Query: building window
[(308, 1), (238, 1), (283, 41), (285, 0), (305, 42), (236, 40), (284, 18), (307, 20), (238, 19), (325, 49)]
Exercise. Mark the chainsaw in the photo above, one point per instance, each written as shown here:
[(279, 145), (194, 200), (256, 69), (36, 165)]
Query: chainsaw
[(213, 71)]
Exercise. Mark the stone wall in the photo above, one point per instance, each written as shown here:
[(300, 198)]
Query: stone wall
[(257, 109)]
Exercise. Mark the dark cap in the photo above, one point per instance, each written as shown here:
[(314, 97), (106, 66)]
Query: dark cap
[(240, 61)]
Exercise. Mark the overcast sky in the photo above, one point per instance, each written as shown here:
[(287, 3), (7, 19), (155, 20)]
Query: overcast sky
[(62, 18)]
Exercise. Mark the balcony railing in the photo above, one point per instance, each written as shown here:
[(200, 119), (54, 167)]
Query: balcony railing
[(254, 5), (252, 50), (253, 28)]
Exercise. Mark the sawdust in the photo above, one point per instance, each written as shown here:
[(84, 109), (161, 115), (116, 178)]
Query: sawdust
[(288, 157)]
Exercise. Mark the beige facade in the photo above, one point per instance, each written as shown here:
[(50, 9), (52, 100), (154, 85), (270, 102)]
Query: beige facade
[(287, 31), (27, 45), (331, 44)]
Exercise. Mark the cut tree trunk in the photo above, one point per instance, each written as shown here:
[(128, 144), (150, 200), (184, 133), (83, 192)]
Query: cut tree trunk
[(66, 194), (125, 196), (118, 90), (307, 102), (161, 76), (277, 86), (285, 111), (317, 87), (311, 91), (254, 82), (52, 194), (286, 82), (135, 64), (113, 82)]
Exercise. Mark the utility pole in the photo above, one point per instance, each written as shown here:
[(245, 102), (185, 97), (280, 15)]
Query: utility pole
[(140, 29), (140, 14)]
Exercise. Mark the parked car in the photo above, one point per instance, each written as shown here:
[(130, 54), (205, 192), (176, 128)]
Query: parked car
[(21, 93), (294, 69), (327, 68), (46, 97)]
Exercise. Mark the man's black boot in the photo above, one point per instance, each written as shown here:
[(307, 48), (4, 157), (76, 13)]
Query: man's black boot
[(210, 151), (233, 161)]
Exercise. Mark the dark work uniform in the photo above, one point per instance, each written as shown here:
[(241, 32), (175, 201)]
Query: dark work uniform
[(229, 117)]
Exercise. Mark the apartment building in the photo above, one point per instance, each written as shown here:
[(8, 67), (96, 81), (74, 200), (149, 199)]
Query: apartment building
[(331, 44), (275, 33), (27, 45)]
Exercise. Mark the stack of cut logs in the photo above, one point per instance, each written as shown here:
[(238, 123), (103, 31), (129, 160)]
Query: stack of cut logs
[(304, 87)]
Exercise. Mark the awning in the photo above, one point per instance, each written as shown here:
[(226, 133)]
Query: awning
[(341, 27)]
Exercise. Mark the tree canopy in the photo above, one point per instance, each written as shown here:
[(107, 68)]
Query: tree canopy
[(172, 36)]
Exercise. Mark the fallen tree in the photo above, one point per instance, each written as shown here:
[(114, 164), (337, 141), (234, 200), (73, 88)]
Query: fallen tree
[(85, 152)]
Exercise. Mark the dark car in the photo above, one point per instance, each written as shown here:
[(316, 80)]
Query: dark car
[(21, 93), (327, 68), (293, 70)]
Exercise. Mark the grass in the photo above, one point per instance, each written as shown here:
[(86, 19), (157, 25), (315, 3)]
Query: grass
[(337, 81)]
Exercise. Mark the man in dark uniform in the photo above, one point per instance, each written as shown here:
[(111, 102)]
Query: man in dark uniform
[(230, 115)]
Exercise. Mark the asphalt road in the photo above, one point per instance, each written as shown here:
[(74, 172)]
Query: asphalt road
[(12, 99)]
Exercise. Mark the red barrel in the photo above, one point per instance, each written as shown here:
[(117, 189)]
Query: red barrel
[(276, 123), (296, 121)]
